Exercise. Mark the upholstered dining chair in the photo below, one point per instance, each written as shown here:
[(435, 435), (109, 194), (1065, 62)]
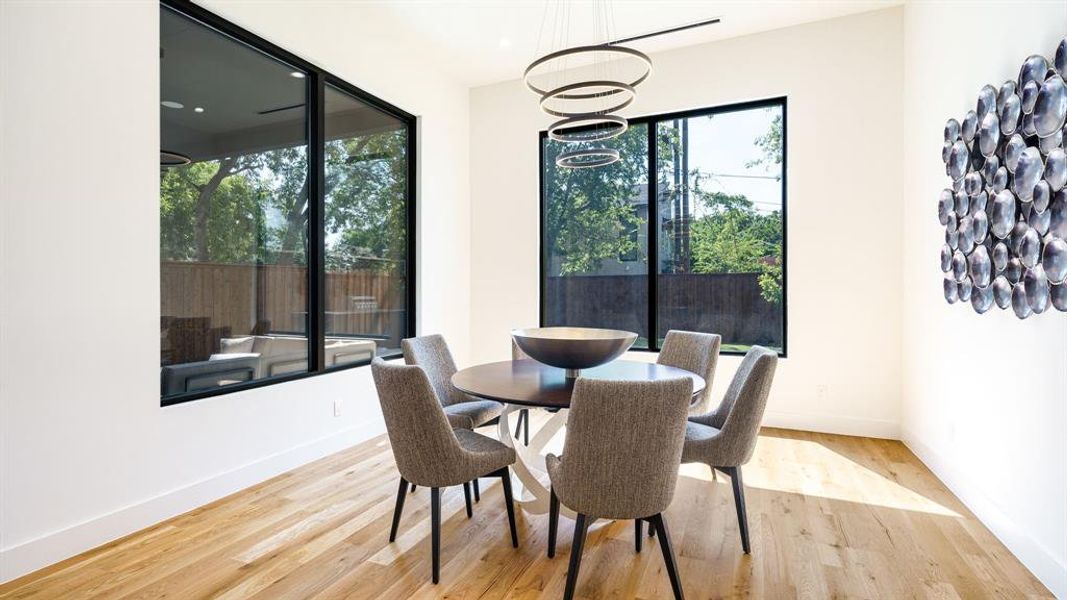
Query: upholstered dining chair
[(610, 469), (432, 354), (724, 439), (697, 353), (523, 424), (431, 453)]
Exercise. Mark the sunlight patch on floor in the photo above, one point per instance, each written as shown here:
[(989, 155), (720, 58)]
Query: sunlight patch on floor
[(811, 469)]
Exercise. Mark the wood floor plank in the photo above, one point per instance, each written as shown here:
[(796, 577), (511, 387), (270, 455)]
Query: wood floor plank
[(830, 516)]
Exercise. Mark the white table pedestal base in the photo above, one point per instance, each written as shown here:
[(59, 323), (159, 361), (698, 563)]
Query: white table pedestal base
[(531, 490)]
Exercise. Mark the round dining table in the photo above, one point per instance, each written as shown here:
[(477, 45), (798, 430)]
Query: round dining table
[(526, 383)]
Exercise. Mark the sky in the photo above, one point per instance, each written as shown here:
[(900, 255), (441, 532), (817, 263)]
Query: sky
[(723, 143)]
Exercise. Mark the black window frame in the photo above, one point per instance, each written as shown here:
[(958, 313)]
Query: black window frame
[(317, 79), (653, 121)]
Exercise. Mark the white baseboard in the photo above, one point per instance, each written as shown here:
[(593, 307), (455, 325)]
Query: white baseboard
[(51, 548), (824, 423), (1034, 556)]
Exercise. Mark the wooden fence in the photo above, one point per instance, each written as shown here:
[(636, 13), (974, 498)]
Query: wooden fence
[(274, 297), (729, 304)]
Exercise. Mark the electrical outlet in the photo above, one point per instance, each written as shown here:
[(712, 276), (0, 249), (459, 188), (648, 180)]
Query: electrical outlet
[(337, 407)]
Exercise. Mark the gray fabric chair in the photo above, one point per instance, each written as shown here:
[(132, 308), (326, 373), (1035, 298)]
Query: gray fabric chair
[(429, 452), (464, 412), (725, 438), (523, 424), (609, 467), (697, 353)]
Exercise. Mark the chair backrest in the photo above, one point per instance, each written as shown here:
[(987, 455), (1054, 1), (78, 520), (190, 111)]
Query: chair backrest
[(623, 446), (431, 353), (697, 353), (744, 404), (422, 440)]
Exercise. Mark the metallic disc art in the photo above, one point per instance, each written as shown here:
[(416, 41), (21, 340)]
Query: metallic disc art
[(1005, 212)]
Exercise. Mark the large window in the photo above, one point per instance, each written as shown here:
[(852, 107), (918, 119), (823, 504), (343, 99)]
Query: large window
[(286, 214), (701, 249)]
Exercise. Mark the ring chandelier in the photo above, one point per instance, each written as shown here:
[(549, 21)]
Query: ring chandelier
[(587, 88)]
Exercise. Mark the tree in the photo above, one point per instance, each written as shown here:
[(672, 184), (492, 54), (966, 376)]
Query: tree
[(589, 216)]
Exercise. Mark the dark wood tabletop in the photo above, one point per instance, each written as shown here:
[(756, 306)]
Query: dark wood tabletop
[(531, 383)]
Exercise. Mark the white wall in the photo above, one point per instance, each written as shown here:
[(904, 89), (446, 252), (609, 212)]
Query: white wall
[(842, 78), (984, 397), (86, 453)]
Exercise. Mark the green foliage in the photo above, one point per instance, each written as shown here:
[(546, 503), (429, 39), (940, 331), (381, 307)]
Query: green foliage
[(770, 144), (589, 216), (254, 207), (735, 238)]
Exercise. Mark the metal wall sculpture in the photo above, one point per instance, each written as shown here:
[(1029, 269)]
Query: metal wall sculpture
[(1005, 215)]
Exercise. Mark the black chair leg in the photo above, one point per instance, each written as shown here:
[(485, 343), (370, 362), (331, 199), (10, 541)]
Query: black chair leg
[(553, 523), (638, 534), (518, 424), (477, 491), (739, 504), (413, 487), (435, 532), (400, 495), (467, 498), (505, 480), (668, 555), (526, 428), (580, 527)]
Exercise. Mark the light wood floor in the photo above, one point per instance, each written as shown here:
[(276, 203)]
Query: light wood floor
[(831, 516)]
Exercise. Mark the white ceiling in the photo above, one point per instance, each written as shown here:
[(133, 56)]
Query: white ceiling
[(486, 41)]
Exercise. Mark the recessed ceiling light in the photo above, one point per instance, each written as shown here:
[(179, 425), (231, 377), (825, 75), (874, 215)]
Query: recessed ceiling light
[(172, 104), (505, 42), (297, 74), (198, 109)]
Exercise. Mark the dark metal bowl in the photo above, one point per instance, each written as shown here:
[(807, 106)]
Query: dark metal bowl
[(573, 348)]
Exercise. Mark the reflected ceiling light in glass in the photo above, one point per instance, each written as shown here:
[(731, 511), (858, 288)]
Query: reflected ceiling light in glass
[(297, 75), (172, 104)]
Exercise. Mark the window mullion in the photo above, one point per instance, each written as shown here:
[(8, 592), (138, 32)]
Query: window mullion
[(652, 249), (316, 222)]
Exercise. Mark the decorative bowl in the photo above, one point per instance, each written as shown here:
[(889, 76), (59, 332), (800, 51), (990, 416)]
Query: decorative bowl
[(573, 348)]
